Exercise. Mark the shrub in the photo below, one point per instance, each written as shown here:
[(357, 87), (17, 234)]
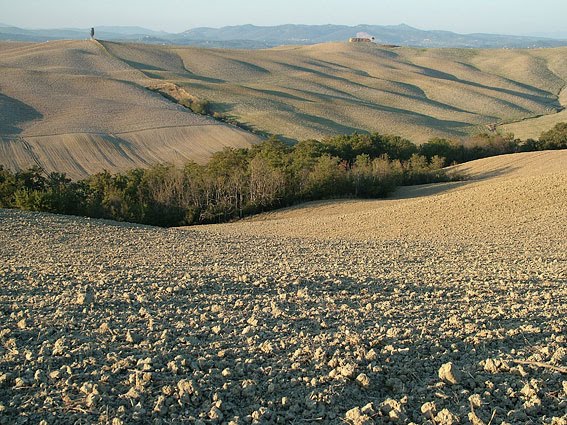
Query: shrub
[(449, 150), (556, 138), (373, 178), (7, 188), (234, 183), (200, 106)]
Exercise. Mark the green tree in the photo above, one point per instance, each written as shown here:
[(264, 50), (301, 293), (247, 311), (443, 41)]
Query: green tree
[(32, 179), (397, 147), (556, 138), (327, 178), (61, 195), (7, 188), (448, 149)]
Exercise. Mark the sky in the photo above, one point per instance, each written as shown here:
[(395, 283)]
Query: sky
[(521, 17)]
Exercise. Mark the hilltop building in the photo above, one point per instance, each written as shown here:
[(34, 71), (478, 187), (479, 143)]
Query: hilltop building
[(362, 39)]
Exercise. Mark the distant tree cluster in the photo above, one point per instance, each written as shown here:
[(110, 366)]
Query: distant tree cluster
[(180, 96), (198, 106), (234, 183), (272, 174), (486, 145), (556, 138)]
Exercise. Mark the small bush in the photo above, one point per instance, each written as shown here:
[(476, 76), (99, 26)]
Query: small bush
[(200, 106), (556, 138)]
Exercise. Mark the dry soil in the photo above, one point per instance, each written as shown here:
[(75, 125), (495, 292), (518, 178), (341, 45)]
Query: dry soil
[(116, 323)]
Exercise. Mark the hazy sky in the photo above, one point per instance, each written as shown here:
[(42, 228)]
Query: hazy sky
[(465, 16)]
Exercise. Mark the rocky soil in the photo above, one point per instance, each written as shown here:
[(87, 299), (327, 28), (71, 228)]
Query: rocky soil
[(109, 323)]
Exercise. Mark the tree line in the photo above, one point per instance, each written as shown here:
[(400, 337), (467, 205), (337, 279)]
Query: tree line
[(239, 182), (486, 145)]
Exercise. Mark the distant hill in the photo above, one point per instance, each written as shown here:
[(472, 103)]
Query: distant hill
[(254, 37), (302, 92), (131, 31), (389, 34), (71, 106), (134, 34), (84, 106)]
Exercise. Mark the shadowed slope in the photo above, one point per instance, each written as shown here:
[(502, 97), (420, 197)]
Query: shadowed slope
[(313, 91), (95, 113), (13, 113), (532, 128)]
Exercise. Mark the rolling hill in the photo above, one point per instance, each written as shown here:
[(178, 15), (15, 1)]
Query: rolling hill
[(304, 92), (518, 197), (70, 106), (83, 106), (445, 305)]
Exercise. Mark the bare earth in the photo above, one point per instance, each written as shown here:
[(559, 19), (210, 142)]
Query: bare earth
[(84, 106), (305, 92), (70, 106), (356, 312)]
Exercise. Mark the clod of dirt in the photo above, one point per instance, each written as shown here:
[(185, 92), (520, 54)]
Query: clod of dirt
[(363, 380), (86, 296), (449, 373), (355, 417), (446, 417)]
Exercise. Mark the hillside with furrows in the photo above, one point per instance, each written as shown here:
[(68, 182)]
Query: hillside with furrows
[(84, 106)]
